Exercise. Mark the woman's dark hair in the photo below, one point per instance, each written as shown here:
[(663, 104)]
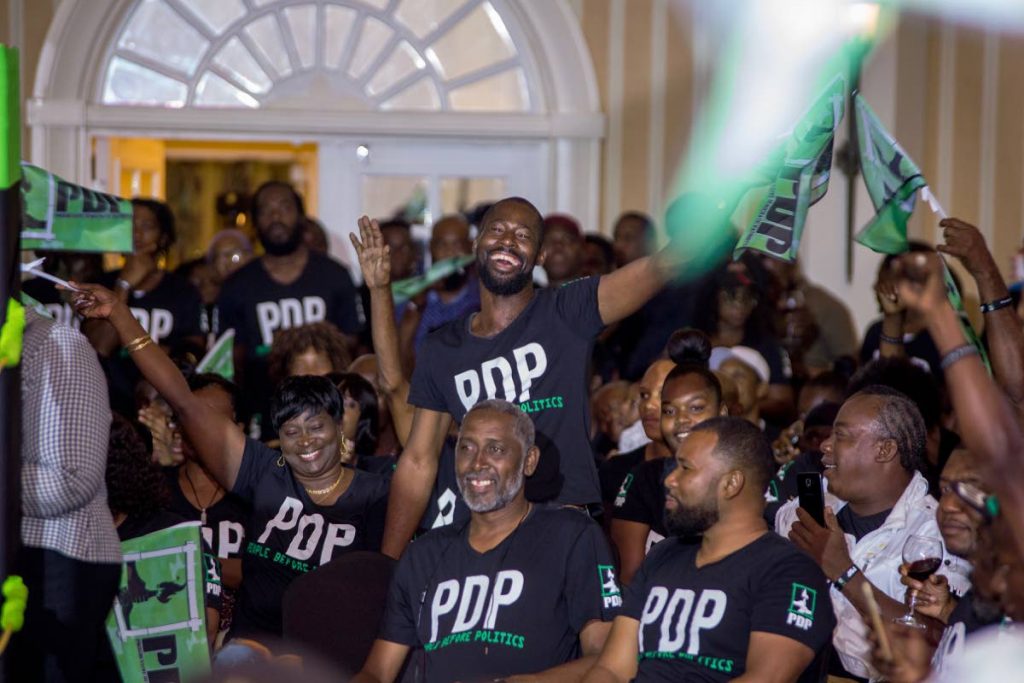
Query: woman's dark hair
[(135, 484), (304, 394), (164, 220), (321, 336), (208, 379), (690, 350), (363, 393), (751, 274)]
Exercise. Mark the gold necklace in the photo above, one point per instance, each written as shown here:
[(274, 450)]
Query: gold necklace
[(322, 492)]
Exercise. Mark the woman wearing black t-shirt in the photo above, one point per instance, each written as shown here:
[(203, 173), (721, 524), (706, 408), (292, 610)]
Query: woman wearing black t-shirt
[(306, 506)]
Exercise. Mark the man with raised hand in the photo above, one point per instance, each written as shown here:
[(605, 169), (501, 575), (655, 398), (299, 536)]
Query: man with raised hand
[(518, 589), (722, 599), (527, 346)]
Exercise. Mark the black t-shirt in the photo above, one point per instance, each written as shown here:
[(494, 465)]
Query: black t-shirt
[(783, 487), (517, 608), (46, 293), (695, 623), (224, 530), (289, 535), (612, 472), (170, 313), (641, 497), (920, 347), (860, 526), (540, 363), (256, 306), (446, 505), (135, 526)]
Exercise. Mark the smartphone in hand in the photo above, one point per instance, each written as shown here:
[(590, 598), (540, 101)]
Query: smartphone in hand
[(811, 496)]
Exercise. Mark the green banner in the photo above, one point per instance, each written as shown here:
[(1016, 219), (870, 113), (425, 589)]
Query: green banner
[(799, 178), (61, 216), (10, 118), (892, 179), (403, 290), (157, 627), (220, 359)]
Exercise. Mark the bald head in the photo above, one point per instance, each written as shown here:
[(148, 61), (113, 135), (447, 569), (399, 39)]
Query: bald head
[(523, 209), (449, 238)]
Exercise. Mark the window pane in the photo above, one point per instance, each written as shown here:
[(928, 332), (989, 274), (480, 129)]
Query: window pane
[(161, 34), (462, 194), (374, 36), (217, 15), (302, 22), (477, 41), (338, 27), (420, 95), (214, 91), (386, 196), (266, 34), (422, 17), (239, 61), (403, 61), (504, 92), (129, 83)]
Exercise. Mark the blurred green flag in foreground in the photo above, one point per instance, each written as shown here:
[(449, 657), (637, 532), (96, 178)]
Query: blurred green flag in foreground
[(61, 216), (403, 290), (220, 358)]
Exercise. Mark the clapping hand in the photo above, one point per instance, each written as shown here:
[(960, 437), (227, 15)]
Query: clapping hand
[(93, 301), (919, 282), (374, 254), (166, 438)]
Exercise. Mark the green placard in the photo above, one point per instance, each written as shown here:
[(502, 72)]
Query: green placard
[(157, 627), (10, 118), (220, 359), (403, 290), (61, 216)]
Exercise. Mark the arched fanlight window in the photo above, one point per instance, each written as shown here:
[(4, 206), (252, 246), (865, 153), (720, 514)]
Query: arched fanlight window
[(399, 55)]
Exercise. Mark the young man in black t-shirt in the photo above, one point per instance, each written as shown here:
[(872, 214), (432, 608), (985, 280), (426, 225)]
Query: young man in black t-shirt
[(743, 604), (518, 589), (287, 287), (528, 347)]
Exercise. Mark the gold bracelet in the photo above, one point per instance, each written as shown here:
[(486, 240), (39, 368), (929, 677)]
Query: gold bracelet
[(138, 343)]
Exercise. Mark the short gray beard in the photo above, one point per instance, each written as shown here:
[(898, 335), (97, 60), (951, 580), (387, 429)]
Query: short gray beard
[(505, 495)]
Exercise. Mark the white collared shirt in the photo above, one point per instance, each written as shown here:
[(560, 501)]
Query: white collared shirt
[(879, 555)]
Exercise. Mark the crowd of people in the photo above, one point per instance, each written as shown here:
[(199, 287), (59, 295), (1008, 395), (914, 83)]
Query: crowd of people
[(610, 477)]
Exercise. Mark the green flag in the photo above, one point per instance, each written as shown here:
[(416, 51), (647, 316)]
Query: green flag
[(157, 627), (220, 358), (892, 179), (61, 216), (10, 120), (799, 175), (403, 290)]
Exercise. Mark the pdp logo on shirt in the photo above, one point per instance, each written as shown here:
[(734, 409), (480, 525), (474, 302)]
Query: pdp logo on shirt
[(610, 593), (801, 606), (620, 497)]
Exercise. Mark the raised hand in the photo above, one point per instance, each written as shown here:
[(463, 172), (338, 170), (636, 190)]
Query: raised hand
[(934, 598), (965, 241), (374, 254), (885, 291), (93, 301), (166, 438), (919, 282)]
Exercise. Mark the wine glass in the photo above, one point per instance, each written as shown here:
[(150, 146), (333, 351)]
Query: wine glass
[(923, 555)]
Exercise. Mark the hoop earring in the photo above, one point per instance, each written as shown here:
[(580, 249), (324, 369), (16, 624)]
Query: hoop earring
[(280, 460), (343, 450)]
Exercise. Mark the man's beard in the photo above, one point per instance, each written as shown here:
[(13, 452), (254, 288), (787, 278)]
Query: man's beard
[(691, 520), (505, 495), (282, 248), (502, 287)]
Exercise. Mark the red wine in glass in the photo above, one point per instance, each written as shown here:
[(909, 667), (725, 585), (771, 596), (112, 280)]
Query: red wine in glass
[(920, 570)]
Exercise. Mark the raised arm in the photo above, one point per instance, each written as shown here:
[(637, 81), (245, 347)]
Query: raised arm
[(218, 441), (988, 425), (375, 263), (413, 479), (622, 292), (1005, 336), (617, 662)]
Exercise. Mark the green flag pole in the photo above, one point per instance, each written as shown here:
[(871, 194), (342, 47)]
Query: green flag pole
[(10, 376)]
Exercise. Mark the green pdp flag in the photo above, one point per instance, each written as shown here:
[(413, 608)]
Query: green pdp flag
[(220, 358), (799, 177), (157, 627), (403, 290), (61, 216), (892, 179)]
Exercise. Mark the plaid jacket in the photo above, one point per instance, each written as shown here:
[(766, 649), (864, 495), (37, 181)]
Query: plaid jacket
[(65, 430)]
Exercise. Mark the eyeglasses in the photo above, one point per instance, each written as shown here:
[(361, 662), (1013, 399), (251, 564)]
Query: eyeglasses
[(983, 503)]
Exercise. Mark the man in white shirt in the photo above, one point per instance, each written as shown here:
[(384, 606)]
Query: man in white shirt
[(877, 500)]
